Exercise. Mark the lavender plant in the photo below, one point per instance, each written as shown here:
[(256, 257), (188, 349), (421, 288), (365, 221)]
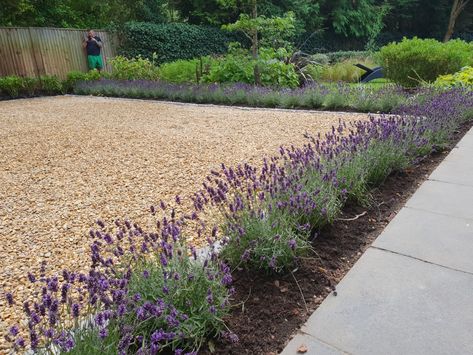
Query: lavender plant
[(145, 292), (270, 215), (313, 96)]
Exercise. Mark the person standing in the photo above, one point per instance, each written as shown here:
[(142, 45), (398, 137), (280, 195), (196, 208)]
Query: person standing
[(93, 45)]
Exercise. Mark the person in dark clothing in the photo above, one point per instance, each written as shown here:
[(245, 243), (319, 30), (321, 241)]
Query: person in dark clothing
[(93, 44)]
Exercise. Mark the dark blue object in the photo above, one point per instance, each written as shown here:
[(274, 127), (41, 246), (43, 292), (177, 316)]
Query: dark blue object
[(371, 74)]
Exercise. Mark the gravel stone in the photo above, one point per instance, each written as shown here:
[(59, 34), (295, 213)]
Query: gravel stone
[(67, 161)]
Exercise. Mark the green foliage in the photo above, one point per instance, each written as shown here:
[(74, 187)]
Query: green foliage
[(134, 69), (188, 295), (172, 41), (342, 71), (412, 61), (363, 98), (231, 69), (320, 59), (75, 76), (272, 32), (12, 85), (16, 86), (340, 56), (186, 71), (464, 78), (82, 13), (265, 239), (238, 67), (369, 168), (51, 85), (362, 18)]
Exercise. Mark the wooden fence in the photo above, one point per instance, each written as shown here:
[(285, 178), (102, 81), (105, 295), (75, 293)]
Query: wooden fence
[(36, 51)]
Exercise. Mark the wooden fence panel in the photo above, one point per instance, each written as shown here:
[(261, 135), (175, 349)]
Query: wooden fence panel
[(36, 51)]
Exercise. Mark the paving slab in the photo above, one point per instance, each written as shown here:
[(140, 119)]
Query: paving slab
[(435, 238), (393, 304), (313, 346), (457, 168), (467, 140), (444, 198)]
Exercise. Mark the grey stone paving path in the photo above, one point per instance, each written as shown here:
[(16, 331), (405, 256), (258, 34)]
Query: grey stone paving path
[(412, 291)]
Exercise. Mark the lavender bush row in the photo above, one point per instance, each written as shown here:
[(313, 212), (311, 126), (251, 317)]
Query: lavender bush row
[(147, 292), (271, 214), (314, 96)]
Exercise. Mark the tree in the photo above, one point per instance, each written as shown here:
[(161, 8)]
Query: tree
[(358, 18), (457, 7), (271, 30)]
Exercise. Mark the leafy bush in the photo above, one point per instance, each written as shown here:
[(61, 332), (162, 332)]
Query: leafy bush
[(133, 69), (329, 96), (75, 76), (12, 85), (320, 58), (238, 67), (172, 41), (16, 86), (186, 71), (412, 61), (342, 71), (144, 292), (340, 56), (51, 85), (462, 78)]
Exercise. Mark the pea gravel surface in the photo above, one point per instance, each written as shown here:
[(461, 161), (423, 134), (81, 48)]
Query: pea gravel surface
[(66, 161)]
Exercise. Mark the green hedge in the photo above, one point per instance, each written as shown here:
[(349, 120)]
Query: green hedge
[(172, 41), (413, 61), (16, 86)]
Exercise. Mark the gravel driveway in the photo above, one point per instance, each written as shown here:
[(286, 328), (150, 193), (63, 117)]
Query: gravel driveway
[(66, 161)]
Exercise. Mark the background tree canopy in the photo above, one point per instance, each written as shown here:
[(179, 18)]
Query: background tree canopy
[(320, 24)]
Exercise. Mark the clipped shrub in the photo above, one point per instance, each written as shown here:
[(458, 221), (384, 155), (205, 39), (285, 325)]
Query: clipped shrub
[(51, 85), (12, 85), (172, 41), (462, 78), (412, 61), (133, 69), (16, 86), (74, 77)]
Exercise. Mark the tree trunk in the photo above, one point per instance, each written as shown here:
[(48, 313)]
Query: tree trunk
[(457, 7), (254, 45)]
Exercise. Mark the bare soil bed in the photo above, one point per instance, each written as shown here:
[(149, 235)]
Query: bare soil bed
[(66, 161)]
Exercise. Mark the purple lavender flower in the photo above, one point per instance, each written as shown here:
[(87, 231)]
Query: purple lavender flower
[(292, 244), (9, 297), (75, 310), (103, 333), (14, 330), (20, 342), (31, 277)]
